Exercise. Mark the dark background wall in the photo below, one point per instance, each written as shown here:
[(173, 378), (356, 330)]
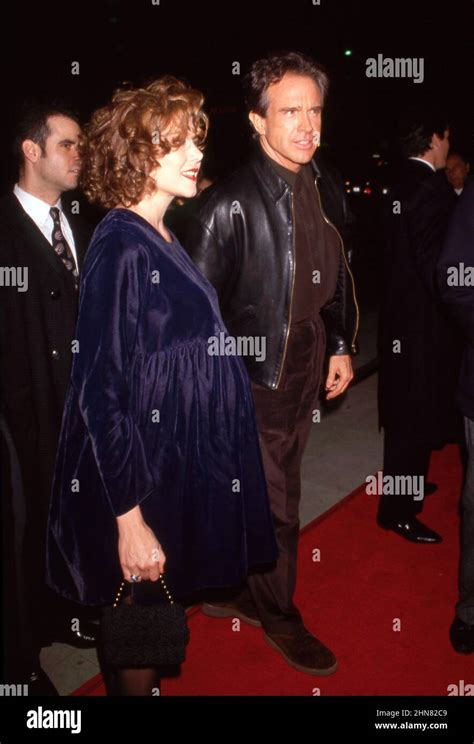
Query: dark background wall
[(125, 40)]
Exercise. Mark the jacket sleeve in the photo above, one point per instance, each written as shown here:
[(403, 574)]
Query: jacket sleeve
[(340, 313), (211, 249), (17, 402), (337, 314), (111, 301), (459, 248)]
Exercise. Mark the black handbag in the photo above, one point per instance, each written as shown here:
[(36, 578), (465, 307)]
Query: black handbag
[(145, 634)]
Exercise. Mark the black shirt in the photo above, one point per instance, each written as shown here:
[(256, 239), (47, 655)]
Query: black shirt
[(317, 245)]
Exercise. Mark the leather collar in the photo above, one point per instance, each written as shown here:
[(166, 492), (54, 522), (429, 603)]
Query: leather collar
[(271, 180)]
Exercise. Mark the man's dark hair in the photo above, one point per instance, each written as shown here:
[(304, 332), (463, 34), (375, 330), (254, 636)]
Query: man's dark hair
[(417, 129), (271, 69), (32, 123)]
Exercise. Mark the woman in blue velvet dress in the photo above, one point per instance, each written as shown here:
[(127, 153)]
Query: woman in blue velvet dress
[(158, 460)]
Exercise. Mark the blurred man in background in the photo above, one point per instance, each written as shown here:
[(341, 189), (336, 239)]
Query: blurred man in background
[(457, 171), (455, 272), (418, 351), (42, 243)]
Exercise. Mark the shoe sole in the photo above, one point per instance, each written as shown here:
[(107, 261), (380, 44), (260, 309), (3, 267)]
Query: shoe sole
[(409, 539), (222, 612), (300, 667)]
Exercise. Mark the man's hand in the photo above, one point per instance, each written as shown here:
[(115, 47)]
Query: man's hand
[(339, 376)]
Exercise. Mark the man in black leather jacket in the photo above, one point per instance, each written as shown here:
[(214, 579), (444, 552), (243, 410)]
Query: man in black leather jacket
[(269, 239)]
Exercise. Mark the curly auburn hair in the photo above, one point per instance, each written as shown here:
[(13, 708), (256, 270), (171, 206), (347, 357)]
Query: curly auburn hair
[(124, 140)]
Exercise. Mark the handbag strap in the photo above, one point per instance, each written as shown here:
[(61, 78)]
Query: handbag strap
[(166, 590)]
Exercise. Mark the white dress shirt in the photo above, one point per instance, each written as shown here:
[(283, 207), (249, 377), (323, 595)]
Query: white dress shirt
[(422, 160), (38, 210)]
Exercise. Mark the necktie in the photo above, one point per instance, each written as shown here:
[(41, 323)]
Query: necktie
[(61, 247)]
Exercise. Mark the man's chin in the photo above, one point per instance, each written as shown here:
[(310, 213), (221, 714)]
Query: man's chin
[(301, 158)]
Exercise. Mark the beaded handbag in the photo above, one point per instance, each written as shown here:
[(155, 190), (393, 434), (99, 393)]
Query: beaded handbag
[(144, 634)]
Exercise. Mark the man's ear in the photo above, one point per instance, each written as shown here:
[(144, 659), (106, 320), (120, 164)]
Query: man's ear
[(435, 141), (31, 150), (258, 122)]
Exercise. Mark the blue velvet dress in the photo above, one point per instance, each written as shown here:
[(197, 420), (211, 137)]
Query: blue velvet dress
[(151, 418)]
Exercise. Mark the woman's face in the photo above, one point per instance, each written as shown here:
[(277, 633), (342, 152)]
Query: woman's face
[(178, 171)]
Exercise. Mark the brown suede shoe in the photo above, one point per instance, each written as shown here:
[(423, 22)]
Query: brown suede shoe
[(247, 614), (304, 652)]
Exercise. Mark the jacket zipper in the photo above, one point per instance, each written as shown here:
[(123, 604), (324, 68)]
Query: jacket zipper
[(291, 297), (353, 346)]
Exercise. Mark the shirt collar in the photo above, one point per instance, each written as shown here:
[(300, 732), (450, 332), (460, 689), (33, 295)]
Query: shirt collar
[(289, 176), (273, 181), (422, 160), (36, 208)]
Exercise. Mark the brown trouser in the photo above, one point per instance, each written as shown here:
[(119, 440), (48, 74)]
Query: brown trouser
[(284, 419)]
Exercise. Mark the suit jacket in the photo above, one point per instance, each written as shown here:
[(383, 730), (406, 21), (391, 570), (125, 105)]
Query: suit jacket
[(416, 379), (36, 330), (459, 295)]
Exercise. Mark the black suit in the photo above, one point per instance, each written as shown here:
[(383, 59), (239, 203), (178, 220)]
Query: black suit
[(36, 330), (416, 378), (459, 298)]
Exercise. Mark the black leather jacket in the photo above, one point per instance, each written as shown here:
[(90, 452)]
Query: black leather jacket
[(242, 239)]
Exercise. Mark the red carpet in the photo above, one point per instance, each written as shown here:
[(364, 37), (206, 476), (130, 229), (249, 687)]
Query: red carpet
[(366, 578)]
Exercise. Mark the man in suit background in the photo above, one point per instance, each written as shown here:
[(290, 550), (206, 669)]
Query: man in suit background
[(42, 247), (455, 270), (457, 171), (418, 348)]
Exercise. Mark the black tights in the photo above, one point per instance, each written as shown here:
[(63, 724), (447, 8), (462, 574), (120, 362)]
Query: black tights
[(129, 682)]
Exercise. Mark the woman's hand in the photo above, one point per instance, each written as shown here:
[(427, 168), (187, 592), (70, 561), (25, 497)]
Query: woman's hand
[(140, 553)]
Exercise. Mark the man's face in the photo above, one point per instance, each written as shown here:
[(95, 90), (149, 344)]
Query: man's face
[(456, 171), (59, 166), (290, 131)]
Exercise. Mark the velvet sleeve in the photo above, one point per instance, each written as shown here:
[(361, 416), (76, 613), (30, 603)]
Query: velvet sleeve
[(113, 293)]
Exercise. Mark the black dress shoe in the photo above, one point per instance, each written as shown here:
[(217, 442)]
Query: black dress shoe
[(85, 637), (40, 685), (430, 488), (412, 530), (462, 636)]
